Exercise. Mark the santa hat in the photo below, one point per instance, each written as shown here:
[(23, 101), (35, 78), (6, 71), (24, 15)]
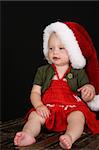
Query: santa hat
[(80, 50)]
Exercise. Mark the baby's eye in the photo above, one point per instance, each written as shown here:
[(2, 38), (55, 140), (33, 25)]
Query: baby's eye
[(61, 48), (50, 48)]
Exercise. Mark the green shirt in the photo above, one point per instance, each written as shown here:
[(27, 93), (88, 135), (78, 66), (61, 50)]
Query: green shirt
[(76, 78)]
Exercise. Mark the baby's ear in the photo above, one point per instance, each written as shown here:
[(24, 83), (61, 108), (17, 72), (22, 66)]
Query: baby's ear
[(94, 104)]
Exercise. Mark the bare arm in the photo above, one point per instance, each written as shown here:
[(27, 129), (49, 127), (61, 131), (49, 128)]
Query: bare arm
[(36, 96)]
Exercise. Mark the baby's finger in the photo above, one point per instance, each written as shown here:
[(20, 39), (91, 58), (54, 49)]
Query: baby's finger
[(40, 113), (46, 114), (43, 115), (91, 96), (86, 94), (80, 89)]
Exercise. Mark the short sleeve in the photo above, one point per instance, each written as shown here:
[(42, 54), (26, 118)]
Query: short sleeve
[(38, 77), (82, 78)]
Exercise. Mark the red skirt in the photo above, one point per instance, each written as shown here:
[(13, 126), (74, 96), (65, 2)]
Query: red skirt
[(61, 101)]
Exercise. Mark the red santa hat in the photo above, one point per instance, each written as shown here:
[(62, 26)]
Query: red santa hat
[(80, 50)]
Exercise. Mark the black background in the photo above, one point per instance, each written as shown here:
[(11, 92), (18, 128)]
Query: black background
[(22, 29)]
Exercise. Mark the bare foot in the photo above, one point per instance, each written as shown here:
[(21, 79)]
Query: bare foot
[(23, 139), (65, 141)]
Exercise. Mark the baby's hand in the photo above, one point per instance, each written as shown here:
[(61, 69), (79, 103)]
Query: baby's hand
[(43, 111), (87, 92)]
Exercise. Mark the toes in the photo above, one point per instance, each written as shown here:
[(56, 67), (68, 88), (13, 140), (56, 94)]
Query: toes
[(23, 139), (17, 138), (15, 142), (19, 134), (65, 142), (65, 146)]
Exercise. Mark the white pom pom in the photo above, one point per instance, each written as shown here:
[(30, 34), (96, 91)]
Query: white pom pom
[(94, 104)]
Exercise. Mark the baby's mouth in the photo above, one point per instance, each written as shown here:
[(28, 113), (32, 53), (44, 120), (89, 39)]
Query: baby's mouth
[(56, 58)]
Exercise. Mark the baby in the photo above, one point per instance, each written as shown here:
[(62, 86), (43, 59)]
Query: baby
[(60, 92)]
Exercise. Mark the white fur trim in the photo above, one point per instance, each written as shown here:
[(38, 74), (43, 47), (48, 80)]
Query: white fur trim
[(69, 40), (94, 104)]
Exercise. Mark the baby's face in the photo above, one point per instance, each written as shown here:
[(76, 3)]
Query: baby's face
[(57, 52)]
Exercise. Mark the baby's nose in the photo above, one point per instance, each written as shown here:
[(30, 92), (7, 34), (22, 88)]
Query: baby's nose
[(55, 50)]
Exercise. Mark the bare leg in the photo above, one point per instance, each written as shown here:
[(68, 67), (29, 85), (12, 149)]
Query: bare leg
[(76, 121), (30, 130)]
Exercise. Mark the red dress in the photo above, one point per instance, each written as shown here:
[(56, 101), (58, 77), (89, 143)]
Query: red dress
[(61, 101)]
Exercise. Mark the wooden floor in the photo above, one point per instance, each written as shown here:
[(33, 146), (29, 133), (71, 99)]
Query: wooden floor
[(45, 141)]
